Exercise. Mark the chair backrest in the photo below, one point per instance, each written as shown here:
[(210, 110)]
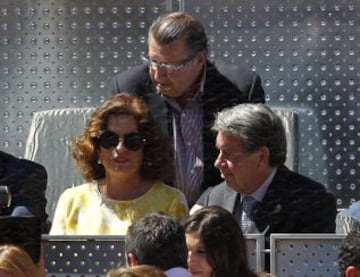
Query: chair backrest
[(289, 121), (305, 254), (48, 143), (51, 132)]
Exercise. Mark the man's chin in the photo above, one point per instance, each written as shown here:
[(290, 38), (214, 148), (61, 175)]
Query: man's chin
[(230, 182), (227, 177), (165, 90)]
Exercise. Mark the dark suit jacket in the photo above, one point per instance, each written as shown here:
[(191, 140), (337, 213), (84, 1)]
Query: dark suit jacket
[(231, 86), (292, 204), (27, 182)]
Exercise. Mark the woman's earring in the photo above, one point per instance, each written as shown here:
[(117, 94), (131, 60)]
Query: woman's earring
[(98, 161)]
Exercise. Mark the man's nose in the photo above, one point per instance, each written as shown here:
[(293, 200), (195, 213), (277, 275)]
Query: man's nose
[(218, 161), (158, 72)]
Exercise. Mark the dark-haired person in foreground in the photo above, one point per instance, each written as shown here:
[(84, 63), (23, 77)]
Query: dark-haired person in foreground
[(26, 183), (20, 246), (184, 90), (349, 255), (216, 245), (263, 194), (159, 240)]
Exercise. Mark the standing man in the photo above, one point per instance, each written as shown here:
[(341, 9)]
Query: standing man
[(264, 195), (184, 90)]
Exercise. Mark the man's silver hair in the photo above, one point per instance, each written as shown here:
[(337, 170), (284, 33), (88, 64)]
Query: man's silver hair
[(256, 125)]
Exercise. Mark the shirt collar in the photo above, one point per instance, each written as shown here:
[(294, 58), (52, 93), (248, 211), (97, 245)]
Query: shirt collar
[(260, 192)]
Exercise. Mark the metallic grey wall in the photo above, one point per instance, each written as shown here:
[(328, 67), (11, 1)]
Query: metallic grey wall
[(62, 53)]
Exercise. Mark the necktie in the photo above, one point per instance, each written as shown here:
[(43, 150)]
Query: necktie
[(248, 203)]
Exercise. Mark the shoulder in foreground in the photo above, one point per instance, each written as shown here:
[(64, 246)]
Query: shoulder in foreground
[(36, 166), (20, 166)]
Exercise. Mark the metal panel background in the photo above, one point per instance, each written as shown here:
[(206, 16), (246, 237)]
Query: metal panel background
[(295, 255), (57, 54), (83, 255)]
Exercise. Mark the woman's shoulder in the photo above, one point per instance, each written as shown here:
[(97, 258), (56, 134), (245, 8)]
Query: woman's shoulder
[(166, 189), (84, 189)]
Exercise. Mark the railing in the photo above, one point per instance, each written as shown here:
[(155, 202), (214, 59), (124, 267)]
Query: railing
[(290, 254), (305, 254), (82, 255)]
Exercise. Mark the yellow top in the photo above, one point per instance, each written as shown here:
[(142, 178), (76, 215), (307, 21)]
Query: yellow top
[(82, 210)]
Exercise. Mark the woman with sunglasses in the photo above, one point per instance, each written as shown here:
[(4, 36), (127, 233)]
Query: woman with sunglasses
[(125, 159)]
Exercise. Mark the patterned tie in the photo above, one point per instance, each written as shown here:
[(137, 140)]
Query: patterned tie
[(247, 204)]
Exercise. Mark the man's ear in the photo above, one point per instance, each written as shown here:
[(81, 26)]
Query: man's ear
[(351, 271), (132, 260), (264, 155)]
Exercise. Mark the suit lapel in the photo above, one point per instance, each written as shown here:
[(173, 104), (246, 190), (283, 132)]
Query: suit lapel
[(160, 111), (270, 210)]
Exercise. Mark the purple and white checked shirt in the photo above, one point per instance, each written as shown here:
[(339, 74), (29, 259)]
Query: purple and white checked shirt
[(187, 125)]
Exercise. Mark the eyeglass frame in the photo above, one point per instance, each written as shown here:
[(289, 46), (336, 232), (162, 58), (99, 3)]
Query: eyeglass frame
[(123, 140), (172, 68)]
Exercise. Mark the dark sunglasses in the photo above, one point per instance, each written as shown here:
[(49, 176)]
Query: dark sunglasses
[(110, 139)]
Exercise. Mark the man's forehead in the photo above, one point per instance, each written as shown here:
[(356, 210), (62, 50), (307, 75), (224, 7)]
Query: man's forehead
[(225, 139)]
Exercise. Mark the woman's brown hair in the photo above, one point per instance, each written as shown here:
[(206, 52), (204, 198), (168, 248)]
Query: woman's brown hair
[(157, 155)]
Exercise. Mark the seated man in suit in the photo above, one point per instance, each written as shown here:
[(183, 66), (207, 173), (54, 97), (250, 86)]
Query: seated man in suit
[(264, 195), (26, 182), (349, 255), (184, 90), (158, 240)]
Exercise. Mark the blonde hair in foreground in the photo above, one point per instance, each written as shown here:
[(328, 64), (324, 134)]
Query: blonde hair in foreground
[(16, 262), (137, 271)]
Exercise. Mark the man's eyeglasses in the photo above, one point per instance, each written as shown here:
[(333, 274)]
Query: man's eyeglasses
[(171, 68), (110, 139)]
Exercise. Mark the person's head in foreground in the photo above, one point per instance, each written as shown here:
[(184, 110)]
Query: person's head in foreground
[(156, 239), (216, 246), (137, 271), (349, 255), (15, 262)]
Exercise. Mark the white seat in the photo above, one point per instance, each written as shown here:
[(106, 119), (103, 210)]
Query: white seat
[(289, 120), (51, 131), (50, 134)]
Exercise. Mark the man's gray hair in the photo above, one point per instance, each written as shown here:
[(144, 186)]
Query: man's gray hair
[(172, 26), (256, 125)]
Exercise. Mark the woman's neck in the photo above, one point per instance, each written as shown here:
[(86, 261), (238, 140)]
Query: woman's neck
[(122, 188)]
